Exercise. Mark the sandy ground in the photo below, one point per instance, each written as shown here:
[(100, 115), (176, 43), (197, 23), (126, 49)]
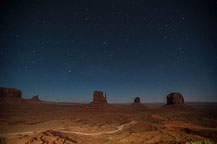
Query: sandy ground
[(51, 123)]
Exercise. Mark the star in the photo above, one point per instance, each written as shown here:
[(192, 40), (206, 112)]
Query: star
[(82, 57), (25, 68), (165, 37), (36, 22), (179, 49), (36, 5), (144, 18), (69, 71), (34, 62)]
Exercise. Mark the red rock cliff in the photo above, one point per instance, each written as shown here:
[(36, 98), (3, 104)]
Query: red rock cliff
[(175, 98), (98, 96)]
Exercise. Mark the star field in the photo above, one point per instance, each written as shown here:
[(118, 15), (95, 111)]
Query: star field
[(63, 50)]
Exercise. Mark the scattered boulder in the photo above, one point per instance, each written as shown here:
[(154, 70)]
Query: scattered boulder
[(10, 94), (137, 103), (99, 102)]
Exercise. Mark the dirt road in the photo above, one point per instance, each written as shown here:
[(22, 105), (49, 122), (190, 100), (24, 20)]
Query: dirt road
[(119, 128), (99, 133)]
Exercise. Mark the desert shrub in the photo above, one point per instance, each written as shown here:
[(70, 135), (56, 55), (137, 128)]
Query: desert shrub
[(200, 142), (2, 140)]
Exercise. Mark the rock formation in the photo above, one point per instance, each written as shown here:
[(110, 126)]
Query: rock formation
[(137, 100), (15, 95), (137, 103), (98, 97), (99, 102), (34, 99), (175, 100), (10, 94)]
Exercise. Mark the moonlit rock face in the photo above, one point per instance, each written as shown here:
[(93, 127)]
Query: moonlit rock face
[(98, 96), (99, 102), (175, 98)]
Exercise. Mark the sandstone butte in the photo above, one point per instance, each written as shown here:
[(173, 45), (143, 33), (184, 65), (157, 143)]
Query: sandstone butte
[(15, 95), (137, 103), (99, 102), (175, 100)]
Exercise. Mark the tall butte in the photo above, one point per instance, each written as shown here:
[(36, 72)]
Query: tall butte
[(99, 102), (137, 103), (175, 100)]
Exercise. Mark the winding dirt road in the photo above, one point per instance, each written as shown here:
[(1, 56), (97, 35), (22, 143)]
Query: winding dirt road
[(99, 133), (119, 128)]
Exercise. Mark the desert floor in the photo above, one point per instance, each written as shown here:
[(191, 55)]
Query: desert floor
[(62, 123)]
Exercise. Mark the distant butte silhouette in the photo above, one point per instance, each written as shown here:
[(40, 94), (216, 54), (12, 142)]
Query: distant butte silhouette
[(98, 97), (10, 94), (137, 100), (99, 102), (34, 99), (137, 103), (175, 100), (15, 95)]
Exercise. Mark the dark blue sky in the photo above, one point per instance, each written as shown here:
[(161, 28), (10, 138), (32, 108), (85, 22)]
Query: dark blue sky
[(64, 50)]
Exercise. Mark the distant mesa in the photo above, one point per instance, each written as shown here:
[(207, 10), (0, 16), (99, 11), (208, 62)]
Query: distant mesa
[(175, 100), (98, 97), (34, 99), (10, 94), (99, 102), (137, 103), (15, 95)]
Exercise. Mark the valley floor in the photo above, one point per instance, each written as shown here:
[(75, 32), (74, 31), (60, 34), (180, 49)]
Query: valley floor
[(51, 123)]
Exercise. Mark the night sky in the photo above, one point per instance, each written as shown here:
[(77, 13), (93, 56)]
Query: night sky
[(64, 50)]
